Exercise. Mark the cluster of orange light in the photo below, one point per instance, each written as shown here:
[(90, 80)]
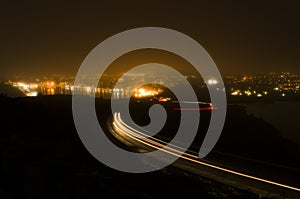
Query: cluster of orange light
[(145, 92), (28, 89), (50, 84)]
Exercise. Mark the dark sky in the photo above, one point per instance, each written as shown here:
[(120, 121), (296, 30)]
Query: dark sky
[(241, 36)]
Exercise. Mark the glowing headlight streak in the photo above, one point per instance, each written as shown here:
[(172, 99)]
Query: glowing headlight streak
[(155, 143)]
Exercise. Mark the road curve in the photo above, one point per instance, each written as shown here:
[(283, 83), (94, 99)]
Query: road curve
[(136, 136)]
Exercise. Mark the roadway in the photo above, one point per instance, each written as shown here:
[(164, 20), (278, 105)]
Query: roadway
[(212, 168)]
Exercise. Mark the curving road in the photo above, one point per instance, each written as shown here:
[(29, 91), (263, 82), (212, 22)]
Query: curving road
[(192, 163)]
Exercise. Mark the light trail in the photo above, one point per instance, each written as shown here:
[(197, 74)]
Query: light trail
[(121, 127)]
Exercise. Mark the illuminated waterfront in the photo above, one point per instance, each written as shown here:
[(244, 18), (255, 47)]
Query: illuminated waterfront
[(283, 85)]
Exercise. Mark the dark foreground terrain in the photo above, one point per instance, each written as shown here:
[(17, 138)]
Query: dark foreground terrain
[(42, 156)]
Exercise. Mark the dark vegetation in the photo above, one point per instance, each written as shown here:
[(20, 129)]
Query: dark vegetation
[(43, 157)]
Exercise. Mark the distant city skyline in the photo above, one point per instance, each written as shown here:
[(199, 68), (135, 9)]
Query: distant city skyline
[(272, 85)]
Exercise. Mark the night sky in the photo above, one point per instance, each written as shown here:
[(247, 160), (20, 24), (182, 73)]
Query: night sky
[(241, 36)]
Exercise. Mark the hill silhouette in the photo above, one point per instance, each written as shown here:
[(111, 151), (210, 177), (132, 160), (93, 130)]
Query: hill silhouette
[(10, 91)]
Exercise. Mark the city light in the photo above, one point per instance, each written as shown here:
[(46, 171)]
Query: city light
[(271, 85), (50, 84), (235, 93), (164, 99), (143, 92), (248, 93), (212, 82), (264, 84), (32, 94)]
